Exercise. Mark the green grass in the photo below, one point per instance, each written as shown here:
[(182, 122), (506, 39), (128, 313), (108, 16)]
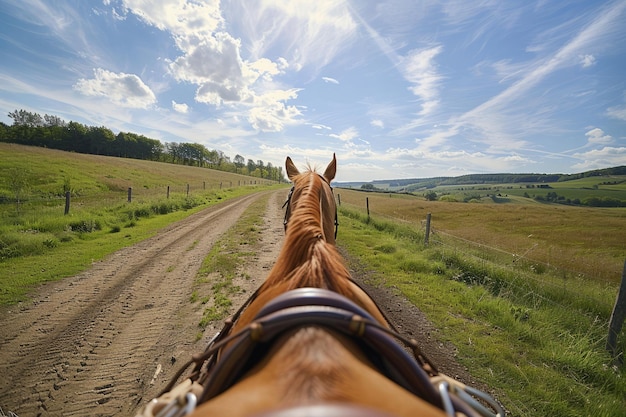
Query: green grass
[(214, 283), (38, 243), (541, 348)]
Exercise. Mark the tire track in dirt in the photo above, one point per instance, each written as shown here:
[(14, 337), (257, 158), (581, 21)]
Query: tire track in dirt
[(92, 344)]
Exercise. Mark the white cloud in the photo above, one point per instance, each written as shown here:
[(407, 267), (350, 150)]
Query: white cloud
[(600, 158), (180, 107), (211, 58), (346, 135), (597, 136), (587, 60), (189, 22), (270, 114), (330, 80), (617, 112), (377, 123), (127, 90), (419, 68)]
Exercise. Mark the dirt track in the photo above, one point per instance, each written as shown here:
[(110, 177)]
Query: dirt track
[(104, 342)]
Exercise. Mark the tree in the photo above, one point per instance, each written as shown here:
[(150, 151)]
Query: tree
[(239, 161), (50, 121), (430, 196), (26, 118)]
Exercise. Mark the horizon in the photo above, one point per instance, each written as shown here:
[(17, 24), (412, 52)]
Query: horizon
[(396, 89)]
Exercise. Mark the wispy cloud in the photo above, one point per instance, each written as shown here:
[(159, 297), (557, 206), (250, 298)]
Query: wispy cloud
[(346, 135), (309, 34), (493, 118), (419, 69), (330, 80)]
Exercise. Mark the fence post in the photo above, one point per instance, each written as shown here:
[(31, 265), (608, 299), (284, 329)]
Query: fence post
[(204, 185), (427, 234), (67, 202), (367, 206), (339, 198), (168, 191), (130, 194), (187, 190), (617, 320)]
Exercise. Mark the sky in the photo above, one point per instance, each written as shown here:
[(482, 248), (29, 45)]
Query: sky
[(396, 89)]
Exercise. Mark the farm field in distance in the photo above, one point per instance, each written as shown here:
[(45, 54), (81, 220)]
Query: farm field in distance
[(582, 240)]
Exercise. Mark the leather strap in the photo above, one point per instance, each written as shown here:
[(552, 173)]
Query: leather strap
[(319, 307)]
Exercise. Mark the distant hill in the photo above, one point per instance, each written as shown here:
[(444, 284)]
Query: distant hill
[(416, 184)]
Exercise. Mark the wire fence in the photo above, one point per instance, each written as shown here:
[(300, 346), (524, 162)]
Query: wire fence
[(535, 280)]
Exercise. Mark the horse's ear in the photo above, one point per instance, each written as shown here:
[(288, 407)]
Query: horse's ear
[(292, 171), (331, 170)]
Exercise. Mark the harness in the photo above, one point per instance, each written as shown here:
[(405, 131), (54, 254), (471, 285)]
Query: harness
[(215, 371), (287, 205)]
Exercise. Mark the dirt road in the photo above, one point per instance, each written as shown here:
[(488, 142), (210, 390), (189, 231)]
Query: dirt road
[(104, 342)]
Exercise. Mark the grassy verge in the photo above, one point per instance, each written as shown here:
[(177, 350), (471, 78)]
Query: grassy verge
[(49, 246), (215, 281), (542, 350)]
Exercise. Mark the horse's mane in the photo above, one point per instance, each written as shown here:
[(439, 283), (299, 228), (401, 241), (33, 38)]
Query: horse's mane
[(306, 259)]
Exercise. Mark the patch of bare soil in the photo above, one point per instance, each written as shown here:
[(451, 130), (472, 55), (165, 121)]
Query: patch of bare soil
[(105, 342)]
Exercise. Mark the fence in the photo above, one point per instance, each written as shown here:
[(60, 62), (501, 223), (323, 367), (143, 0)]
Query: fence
[(35, 201), (507, 260)]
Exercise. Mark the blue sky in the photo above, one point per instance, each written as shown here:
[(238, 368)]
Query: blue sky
[(397, 89)]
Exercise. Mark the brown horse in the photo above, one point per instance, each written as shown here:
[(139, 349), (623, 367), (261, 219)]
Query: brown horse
[(310, 342)]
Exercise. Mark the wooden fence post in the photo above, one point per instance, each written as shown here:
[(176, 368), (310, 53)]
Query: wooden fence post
[(168, 191), (367, 206), (187, 190), (427, 233), (617, 320), (130, 194), (339, 198), (67, 202)]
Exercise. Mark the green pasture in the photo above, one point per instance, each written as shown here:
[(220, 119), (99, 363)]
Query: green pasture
[(39, 243), (580, 189)]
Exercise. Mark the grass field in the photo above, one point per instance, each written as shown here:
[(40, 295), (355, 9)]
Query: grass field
[(39, 243), (577, 240)]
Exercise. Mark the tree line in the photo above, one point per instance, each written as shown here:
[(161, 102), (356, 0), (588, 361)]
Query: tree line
[(50, 131)]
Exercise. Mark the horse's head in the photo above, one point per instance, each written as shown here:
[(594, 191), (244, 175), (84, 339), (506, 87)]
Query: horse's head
[(312, 197)]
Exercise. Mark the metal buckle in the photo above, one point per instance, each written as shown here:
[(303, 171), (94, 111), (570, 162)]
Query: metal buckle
[(469, 395)]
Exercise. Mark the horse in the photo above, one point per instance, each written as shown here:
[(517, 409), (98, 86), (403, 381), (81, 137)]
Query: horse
[(311, 342)]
